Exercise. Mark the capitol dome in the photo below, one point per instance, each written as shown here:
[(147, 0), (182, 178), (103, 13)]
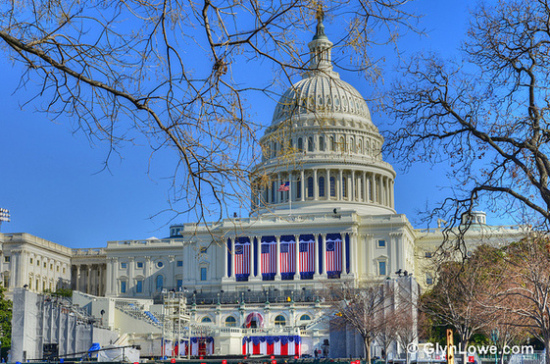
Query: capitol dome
[(322, 151)]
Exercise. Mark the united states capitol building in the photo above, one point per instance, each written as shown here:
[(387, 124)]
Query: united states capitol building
[(322, 215)]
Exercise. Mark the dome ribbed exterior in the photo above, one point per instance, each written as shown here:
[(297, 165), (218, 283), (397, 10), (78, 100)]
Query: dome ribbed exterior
[(320, 94)]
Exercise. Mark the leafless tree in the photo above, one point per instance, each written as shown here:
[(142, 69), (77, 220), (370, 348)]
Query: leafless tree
[(456, 298), (360, 309), (170, 74), (522, 296), (485, 115)]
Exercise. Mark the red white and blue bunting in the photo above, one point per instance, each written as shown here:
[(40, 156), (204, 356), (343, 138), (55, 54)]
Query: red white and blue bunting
[(272, 345), (199, 346)]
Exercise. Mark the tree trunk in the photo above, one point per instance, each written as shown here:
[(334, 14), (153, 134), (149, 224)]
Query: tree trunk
[(366, 341), (464, 349)]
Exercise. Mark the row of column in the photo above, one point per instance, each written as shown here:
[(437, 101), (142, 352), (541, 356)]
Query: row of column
[(320, 267), (360, 186), (90, 278)]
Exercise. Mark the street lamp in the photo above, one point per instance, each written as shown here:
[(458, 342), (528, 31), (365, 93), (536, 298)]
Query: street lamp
[(4, 215)]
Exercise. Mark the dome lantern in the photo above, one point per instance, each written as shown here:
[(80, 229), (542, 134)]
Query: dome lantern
[(320, 47)]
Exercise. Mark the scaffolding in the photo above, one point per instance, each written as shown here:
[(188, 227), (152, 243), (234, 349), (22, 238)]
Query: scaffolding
[(176, 321)]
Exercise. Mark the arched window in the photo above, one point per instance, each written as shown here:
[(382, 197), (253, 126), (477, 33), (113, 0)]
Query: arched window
[(160, 282), (332, 144), (310, 145), (206, 319), (332, 187), (280, 320), (230, 321), (300, 145), (342, 144), (322, 144), (321, 186), (352, 145), (310, 187), (305, 318)]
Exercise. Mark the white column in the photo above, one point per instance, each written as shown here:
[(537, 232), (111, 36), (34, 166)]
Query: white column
[(353, 249), (278, 257), (292, 185), (316, 255), (344, 271), (391, 194), (365, 189), (374, 189), (232, 260), (108, 280), (297, 256), (251, 257), (77, 286), (302, 186), (173, 282), (131, 281), (327, 184), (352, 191), (259, 257), (323, 256), (148, 276), (277, 193), (114, 276), (339, 183), (315, 185), (350, 188), (225, 259)]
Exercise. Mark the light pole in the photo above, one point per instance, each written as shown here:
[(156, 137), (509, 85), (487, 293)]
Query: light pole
[(4, 216)]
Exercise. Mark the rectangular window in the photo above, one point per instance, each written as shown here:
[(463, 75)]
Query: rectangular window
[(203, 274), (180, 284), (123, 287), (140, 264), (381, 243), (38, 263), (428, 254), (203, 250), (382, 268), (64, 270), (139, 286), (180, 263), (45, 264), (57, 269), (7, 259), (123, 265), (31, 260), (429, 279), (51, 266)]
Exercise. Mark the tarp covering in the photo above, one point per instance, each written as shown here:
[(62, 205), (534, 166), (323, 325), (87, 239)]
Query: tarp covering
[(127, 354)]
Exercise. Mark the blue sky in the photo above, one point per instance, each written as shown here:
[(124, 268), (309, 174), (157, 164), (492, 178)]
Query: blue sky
[(54, 183)]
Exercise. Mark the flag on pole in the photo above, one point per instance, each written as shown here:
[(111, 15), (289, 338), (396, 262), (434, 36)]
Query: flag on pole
[(284, 186)]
